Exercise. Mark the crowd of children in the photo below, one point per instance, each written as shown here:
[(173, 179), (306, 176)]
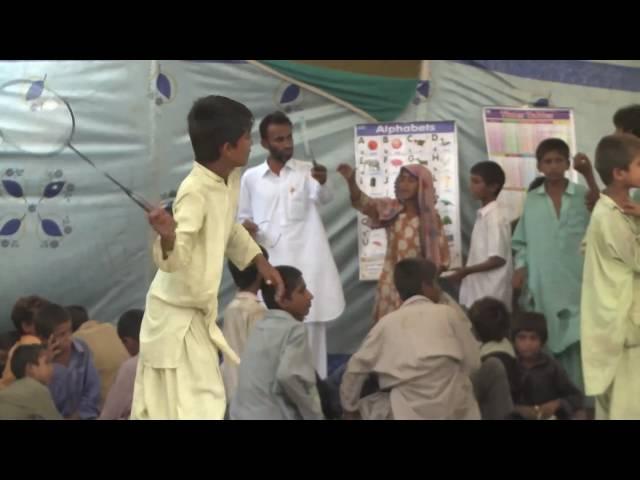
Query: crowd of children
[(534, 334), (546, 324), (50, 372)]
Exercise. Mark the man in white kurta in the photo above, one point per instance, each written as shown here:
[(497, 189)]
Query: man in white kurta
[(279, 201)]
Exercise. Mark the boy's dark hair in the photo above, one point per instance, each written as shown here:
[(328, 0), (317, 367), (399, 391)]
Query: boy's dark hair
[(214, 121), (552, 145), (79, 315), (491, 173), (536, 183), (410, 274), (530, 322), (291, 277), (275, 118), (25, 355), (490, 319), (245, 278), (48, 318), (627, 119), (615, 151), (25, 309), (129, 324)]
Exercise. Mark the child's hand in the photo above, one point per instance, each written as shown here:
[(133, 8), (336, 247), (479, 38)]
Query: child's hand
[(632, 208), (590, 199), (549, 409), (346, 171), (519, 277), (270, 275), (319, 173), (53, 347), (251, 227), (162, 222), (529, 413), (456, 275), (582, 164)]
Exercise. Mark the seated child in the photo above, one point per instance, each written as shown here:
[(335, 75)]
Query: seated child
[(495, 384), (276, 378), (22, 317), (239, 318), (75, 386), (28, 397), (105, 345), (422, 355), (545, 392), (492, 324), (118, 403)]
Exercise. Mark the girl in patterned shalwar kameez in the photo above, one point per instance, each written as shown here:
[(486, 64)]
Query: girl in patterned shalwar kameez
[(414, 228)]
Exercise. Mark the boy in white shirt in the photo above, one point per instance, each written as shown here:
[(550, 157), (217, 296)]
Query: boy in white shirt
[(489, 265)]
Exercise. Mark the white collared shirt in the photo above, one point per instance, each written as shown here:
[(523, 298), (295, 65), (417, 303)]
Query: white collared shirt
[(285, 208), (491, 237)]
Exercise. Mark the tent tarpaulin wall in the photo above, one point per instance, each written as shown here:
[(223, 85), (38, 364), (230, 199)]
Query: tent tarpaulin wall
[(131, 121)]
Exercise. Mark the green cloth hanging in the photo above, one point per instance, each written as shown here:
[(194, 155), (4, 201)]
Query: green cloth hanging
[(384, 98)]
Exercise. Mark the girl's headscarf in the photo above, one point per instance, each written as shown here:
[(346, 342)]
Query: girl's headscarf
[(431, 229)]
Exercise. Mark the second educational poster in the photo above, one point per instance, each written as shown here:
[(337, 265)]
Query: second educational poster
[(382, 149), (512, 136)]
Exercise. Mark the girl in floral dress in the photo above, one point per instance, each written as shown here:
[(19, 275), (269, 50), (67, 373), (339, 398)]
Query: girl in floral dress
[(414, 228)]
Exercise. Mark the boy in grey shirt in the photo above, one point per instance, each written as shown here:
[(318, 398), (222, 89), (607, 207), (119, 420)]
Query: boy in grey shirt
[(276, 379)]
